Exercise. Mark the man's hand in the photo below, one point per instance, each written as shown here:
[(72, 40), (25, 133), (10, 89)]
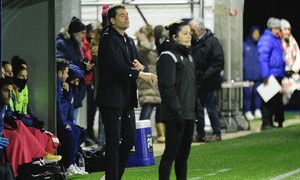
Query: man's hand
[(148, 77), (89, 66), (3, 142), (137, 65), (66, 86)]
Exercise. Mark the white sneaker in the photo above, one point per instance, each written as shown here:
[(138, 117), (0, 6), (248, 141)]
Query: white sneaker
[(71, 170), (80, 171), (258, 114), (102, 178), (249, 116)]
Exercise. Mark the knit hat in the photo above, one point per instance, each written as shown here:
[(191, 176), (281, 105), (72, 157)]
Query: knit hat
[(158, 31), (273, 22), (285, 24), (89, 28), (76, 26), (105, 8)]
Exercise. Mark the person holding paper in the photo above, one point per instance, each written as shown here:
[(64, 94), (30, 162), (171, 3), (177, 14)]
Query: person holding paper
[(270, 55)]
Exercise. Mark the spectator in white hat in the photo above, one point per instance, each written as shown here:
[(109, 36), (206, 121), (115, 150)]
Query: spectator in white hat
[(291, 49)]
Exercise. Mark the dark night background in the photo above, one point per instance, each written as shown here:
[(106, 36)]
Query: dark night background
[(257, 12)]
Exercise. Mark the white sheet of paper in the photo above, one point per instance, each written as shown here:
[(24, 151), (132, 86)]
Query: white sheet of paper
[(269, 90)]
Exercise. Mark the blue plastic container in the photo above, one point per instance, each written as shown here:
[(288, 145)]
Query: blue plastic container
[(142, 152)]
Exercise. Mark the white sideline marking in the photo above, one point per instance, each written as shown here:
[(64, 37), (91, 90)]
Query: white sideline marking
[(211, 174), (285, 175), (195, 178), (224, 170)]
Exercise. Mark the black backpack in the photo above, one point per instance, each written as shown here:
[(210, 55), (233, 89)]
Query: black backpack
[(39, 169)]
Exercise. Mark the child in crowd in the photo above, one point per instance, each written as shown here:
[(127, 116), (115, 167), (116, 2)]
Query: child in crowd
[(69, 133)]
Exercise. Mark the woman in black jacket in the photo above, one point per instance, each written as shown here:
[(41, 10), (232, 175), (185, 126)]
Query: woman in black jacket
[(176, 81)]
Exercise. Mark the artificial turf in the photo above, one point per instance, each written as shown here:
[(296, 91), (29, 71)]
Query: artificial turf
[(257, 156)]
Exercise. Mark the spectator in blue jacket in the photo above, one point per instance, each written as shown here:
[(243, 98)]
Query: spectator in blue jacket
[(270, 54), (75, 77), (251, 73), (6, 88), (69, 46), (68, 133)]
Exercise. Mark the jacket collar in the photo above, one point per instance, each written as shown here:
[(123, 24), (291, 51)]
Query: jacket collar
[(121, 41)]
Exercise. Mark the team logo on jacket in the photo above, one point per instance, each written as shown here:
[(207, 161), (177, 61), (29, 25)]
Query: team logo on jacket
[(3, 114), (181, 57), (190, 58)]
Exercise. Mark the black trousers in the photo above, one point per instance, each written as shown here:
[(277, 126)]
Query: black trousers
[(273, 108), (119, 125), (91, 110), (179, 136)]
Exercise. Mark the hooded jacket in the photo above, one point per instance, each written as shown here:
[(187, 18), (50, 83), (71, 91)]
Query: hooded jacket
[(209, 61), (251, 69), (67, 48), (176, 82), (148, 92)]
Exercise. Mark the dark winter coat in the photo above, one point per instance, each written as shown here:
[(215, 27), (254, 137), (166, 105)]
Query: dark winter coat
[(67, 48), (176, 82), (117, 78), (208, 55), (148, 93)]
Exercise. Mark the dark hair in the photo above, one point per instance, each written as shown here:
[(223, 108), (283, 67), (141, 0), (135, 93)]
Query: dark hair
[(112, 11), (61, 64), (5, 82), (16, 61), (4, 63), (18, 68), (175, 27)]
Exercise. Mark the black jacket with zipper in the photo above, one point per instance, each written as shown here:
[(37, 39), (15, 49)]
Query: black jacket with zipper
[(176, 81), (117, 77), (209, 61)]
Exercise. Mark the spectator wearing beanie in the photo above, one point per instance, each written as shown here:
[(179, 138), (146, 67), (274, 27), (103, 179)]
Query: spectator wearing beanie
[(105, 8), (105, 21), (160, 34), (270, 52), (69, 46)]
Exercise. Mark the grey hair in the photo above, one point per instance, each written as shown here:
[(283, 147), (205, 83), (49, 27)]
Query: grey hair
[(199, 23)]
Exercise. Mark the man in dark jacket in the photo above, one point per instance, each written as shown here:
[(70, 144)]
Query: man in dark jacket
[(118, 71), (209, 61)]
